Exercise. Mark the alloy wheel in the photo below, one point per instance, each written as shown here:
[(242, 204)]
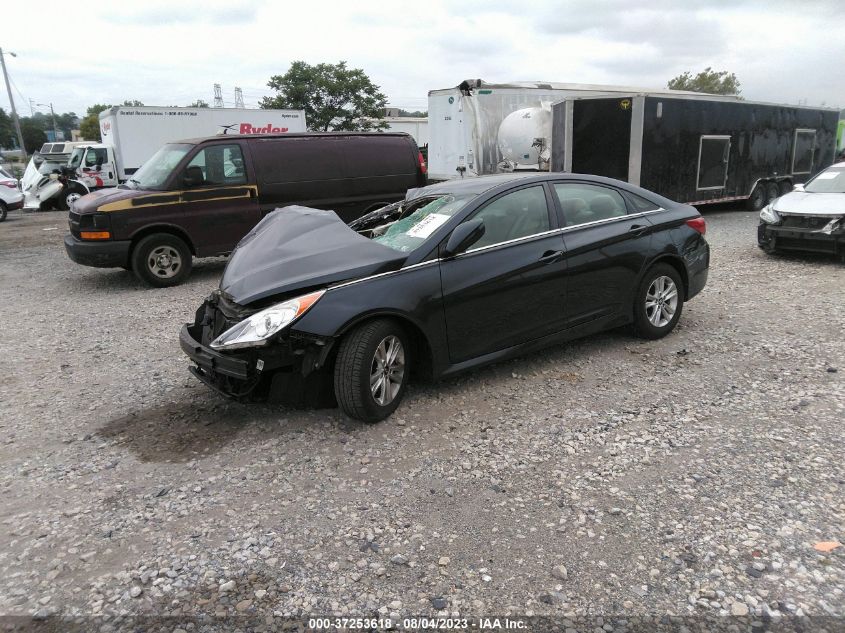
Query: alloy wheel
[(387, 370), (661, 301)]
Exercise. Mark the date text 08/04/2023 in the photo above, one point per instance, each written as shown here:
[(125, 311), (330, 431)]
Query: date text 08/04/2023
[(422, 623)]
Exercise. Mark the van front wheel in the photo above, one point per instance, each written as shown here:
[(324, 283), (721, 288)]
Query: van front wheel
[(161, 260)]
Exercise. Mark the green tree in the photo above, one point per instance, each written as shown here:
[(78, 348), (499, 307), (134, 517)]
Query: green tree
[(33, 135), (7, 130), (333, 96), (708, 80), (89, 127), (132, 103), (199, 103)]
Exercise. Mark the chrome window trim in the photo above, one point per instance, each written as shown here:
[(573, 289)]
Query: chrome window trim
[(628, 216)]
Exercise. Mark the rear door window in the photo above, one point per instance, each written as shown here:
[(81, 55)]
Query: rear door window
[(582, 203)]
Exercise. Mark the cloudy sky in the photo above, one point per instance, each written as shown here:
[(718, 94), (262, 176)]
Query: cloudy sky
[(171, 53)]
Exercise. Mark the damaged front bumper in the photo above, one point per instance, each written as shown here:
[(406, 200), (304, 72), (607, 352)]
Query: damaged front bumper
[(804, 233), (277, 371)]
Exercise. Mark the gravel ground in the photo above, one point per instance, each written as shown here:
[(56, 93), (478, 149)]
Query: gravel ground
[(609, 478)]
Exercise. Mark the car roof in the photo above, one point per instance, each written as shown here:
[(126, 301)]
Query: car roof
[(225, 137), (480, 184)]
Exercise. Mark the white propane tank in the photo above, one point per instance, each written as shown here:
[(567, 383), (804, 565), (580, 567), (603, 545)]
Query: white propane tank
[(518, 133)]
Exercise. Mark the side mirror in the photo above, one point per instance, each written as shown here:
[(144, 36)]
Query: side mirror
[(191, 181), (464, 236), (798, 188)]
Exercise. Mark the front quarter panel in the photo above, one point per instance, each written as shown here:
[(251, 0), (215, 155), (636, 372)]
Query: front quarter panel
[(412, 293)]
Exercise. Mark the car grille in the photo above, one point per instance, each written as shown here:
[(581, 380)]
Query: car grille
[(805, 222)]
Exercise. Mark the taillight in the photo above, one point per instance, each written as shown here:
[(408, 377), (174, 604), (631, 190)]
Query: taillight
[(698, 224), (423, 167), (11, 184)]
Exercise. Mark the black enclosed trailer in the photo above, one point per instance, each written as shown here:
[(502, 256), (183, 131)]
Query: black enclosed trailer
[(693, 149)]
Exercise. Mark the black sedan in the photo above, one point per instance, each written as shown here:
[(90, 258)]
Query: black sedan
[(460, 274)]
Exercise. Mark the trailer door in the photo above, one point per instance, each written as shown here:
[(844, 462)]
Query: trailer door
[(601, 136), (713, 155)]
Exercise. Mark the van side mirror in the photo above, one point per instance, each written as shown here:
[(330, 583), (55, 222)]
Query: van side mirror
[(798, 188), (465, 235)]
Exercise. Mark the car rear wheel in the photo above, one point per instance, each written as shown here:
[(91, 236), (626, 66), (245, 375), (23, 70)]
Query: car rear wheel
[(371, 370), (3, 211), (659, 302), (161, 260), (757, 199)]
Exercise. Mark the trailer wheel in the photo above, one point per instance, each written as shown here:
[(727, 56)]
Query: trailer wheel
[(772, 191), (784, 187), (757, 199)]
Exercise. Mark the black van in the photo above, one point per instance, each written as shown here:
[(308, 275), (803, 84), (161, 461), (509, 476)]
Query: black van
[(198, 198)]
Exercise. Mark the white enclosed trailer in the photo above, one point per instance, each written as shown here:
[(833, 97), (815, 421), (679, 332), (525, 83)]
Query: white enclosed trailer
[(465, 121)]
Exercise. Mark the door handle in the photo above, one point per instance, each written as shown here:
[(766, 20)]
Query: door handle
[(638, 229), (550, 257)]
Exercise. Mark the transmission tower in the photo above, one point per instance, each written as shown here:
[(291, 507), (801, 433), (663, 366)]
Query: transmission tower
[(218, 96), (239, 98)]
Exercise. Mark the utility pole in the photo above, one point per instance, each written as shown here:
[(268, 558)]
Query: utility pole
[(239, 98), (218, 96), (12, 103), (52, 114)]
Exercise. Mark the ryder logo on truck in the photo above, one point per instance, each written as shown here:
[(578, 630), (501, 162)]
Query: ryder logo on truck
[(246, 128)]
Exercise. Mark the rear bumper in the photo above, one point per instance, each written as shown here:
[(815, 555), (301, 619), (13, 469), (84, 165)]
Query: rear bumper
[(105, 254), (773, 237), (13, 206)]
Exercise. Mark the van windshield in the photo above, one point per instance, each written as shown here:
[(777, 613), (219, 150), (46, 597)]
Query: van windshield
[(155, 172)]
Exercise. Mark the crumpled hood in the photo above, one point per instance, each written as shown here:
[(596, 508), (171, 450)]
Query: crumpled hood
[(299, 247), (804, 203), (89, 203)]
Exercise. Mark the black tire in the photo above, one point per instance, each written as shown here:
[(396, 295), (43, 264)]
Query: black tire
[(644, 326), (68, 195), (784, 187), (356, 361), (772, 192), (757, 199), (3, 211), (161, 260)]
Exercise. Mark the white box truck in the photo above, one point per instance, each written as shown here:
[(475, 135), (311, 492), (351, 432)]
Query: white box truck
[(131, 135), (469, 134)]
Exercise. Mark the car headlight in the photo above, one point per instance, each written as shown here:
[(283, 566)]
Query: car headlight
[(769, 215), (257, 329)]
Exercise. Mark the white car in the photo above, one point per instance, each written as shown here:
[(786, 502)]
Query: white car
[(10, 196), (810, 218)]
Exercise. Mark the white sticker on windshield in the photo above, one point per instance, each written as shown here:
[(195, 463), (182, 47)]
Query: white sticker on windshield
[(429, 225), (828, 175)]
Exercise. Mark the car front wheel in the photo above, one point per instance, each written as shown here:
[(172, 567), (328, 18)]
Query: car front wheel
[(161, 260), (371, 370), (659, 302), (3, 211)]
